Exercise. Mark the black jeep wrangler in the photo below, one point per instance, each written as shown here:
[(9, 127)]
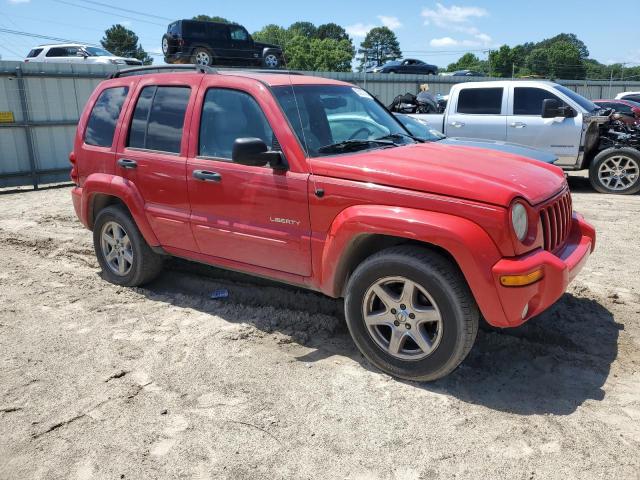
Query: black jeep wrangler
[(213, 43)]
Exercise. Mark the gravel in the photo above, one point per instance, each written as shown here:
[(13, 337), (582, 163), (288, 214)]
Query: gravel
[(103, 382)]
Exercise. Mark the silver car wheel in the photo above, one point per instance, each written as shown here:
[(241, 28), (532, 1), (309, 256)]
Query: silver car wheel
[(165, 46), (402, 318), (116, 248), (271, 61), (203, 58), (618, 172)]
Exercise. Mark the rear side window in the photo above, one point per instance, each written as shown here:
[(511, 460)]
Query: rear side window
[(528, 101), (482, 101), (158, 119), (238, 33), (633, 98), (57, 52), (195, 29), (34, 53), (104, 116), (226, 116)]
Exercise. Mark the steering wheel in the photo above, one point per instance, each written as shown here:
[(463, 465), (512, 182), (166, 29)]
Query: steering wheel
[(360, 130)]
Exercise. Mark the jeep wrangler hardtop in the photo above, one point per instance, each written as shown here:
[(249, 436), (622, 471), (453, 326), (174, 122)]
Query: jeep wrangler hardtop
[(312, 182)]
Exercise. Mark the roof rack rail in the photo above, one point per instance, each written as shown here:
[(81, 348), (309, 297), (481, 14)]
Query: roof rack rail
[(159, 68), (260, 70)]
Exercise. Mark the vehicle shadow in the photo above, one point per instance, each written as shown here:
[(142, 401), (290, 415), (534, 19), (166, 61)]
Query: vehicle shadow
[(550, 365)]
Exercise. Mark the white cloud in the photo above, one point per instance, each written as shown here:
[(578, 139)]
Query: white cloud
[(444, 42), (19, 1), (451, 17), (359, 29), (481, 40), (390, 22)]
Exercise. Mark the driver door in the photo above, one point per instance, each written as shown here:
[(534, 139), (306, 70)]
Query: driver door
[(256, 216)]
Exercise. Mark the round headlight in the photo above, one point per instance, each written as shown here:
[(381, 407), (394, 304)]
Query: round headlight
[(519, 221)]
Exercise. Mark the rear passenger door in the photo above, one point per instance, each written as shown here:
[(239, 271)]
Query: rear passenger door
[(479, 112), (152, 155)]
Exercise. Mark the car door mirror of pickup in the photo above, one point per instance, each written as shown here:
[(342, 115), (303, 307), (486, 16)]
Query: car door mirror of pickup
[(551, 108), (254, 152)]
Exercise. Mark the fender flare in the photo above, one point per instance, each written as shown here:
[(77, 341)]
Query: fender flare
[(468, 244), (123, 189)]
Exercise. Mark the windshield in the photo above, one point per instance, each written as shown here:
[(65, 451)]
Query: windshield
[(325, 116), (419, 129), (98, 52), (588, 105)]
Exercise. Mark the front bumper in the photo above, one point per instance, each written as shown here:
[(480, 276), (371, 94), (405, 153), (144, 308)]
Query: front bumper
[(559, 268)]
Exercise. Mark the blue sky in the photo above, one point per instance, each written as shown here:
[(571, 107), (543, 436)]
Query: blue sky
[(438, 32)]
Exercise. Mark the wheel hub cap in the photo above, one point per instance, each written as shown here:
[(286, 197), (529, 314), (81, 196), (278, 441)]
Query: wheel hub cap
[(116, 248), (619, 172), (402, 318)]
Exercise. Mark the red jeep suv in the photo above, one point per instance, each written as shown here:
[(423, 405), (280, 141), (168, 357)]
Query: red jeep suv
[(312, 182)]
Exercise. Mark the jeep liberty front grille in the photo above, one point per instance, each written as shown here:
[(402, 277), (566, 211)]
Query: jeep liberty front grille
[(556, 221)]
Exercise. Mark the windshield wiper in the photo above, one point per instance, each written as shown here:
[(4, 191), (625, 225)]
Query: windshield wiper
[(401, 135), (354, 144)]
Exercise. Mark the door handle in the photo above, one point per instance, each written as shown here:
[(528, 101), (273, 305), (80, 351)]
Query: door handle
[(128, 164), (518, 125), (457, 124), (207, 176)]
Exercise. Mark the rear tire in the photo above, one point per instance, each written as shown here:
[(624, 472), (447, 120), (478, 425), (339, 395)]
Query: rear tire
[(411, 313), (202, 56), (616, 170), (271, 61), (122, 252)]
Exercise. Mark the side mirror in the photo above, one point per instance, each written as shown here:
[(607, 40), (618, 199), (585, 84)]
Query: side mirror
[(550, 108), (255, 153), (81, 53)]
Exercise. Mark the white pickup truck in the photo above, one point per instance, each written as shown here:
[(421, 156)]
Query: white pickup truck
[(542, 115)]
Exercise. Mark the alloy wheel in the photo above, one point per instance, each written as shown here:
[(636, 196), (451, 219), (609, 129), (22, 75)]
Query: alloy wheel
[(618, 172), (165, 46), (271, 61), (402, 318), (116, 248), (203, 58)]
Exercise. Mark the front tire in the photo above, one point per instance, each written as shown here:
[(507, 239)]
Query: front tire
[(411, 313), (616, 170), (122, 252)]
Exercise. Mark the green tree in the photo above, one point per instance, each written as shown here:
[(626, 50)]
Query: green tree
[(468, 61), (537, 62), (501, 61), (305, 29), (381, 45), (333, 31), (565, 61), (274, 34), (124, 43), (215, 18)]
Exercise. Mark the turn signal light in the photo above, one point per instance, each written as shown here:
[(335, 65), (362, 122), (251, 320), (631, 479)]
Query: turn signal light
[(521, 280)]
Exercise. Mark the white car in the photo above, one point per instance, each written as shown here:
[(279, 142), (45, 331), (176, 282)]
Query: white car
[(77, 53), (633, 96)]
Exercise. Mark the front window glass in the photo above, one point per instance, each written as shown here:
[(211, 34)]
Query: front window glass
[(325, 115), (588, 105), (98, 52), (528, 101), (239, 34), (228, 115)]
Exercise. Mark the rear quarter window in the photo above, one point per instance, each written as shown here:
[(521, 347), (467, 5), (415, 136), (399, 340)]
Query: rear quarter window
[(104, 116), (480, 101)]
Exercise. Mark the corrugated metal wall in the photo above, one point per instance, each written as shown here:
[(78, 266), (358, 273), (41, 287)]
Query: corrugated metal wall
[(46, 101)]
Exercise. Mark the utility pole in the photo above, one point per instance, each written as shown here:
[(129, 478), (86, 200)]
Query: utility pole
[(513, 70), (611, 82)]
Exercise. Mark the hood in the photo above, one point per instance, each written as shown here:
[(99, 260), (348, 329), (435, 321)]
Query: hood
[(266, 45), (486, 176), (507, 147), (122, 60)]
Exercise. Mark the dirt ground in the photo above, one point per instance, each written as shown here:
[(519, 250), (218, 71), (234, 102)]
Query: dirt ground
[(103, 382)]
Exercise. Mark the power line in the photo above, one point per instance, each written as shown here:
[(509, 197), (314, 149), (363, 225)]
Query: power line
[(144, 14), (113, 14), (44, 37)]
